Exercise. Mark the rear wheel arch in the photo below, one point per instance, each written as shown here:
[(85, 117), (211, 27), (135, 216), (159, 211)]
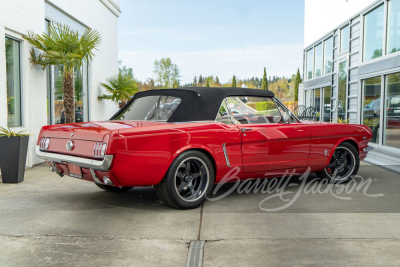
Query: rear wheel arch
[(205, 151)]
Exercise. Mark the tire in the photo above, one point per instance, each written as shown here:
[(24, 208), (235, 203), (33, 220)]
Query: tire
[(345, 162), (188, 181), (114, 189)]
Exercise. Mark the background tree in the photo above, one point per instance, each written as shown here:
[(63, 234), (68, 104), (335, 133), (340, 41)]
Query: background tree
[(208, 83), (121, 87), (296, 86), (195, 81), (264, 84), (217, 83), (234, 81), (166, 72), (68, 50)]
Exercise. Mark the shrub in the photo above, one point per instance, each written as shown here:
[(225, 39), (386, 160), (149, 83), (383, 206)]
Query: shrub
[(261, 106)]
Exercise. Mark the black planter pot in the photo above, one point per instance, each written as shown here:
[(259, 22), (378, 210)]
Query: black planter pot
[(13, 152)]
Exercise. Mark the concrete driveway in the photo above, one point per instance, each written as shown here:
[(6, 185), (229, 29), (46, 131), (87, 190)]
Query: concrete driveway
[(48, 220)]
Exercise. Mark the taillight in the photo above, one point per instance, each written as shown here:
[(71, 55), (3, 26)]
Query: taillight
[(99, 150), (44, 143)]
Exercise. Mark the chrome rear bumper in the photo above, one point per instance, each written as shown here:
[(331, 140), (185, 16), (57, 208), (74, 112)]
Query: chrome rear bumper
[(98, 165)]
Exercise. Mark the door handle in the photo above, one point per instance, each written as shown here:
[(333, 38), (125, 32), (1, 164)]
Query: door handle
[(245, 129)]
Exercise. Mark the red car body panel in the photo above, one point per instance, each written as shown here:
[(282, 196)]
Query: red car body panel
[(143, 151)]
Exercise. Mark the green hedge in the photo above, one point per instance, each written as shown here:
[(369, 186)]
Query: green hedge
[(261, 106)]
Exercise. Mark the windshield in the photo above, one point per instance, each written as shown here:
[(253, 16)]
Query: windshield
[(150, 108)]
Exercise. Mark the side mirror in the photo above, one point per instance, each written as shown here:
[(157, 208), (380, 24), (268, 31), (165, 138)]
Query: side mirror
[(286, 117)]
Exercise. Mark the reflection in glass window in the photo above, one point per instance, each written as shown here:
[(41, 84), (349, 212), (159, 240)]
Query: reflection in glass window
[(317, 103), (318, 60), (150, 108), (308, 102), (253, 110), (327, 104), (392, 111), (310, 64), (328, 55), (342, 104), (373, 34), (344, 39), (372, 106), (393, 30), (13, 83)]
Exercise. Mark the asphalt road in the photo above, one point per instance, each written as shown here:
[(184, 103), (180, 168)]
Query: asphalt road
[(48, 220)]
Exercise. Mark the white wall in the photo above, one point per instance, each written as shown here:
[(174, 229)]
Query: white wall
[(16, 19), (322, 16), (19, 17)]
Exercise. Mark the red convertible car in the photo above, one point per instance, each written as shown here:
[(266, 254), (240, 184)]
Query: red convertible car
[(182, 141)]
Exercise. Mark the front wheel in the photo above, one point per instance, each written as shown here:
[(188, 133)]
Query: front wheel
[(114, 189), (343, 164), (188, 181)]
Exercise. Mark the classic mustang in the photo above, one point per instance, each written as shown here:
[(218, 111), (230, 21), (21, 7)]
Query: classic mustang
[(182, 141)]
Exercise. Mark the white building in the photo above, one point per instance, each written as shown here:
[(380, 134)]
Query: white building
[(29, 96), (351, 62)]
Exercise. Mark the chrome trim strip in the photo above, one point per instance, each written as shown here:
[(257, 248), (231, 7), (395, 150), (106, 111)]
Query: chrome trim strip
[(226, 155), (98, 165), (285, 107), (368, 148)]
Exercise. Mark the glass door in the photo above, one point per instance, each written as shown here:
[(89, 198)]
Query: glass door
[(327, 104)]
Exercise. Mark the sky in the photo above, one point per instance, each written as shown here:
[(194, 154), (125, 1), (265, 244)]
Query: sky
[(219, 38)]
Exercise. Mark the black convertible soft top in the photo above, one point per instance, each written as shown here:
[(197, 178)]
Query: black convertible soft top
[(198, 103)]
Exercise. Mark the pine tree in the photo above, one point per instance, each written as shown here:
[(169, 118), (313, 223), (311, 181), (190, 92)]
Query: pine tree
[(195, 81), (264, 84), (233, 81), (208, 83), (296, 86), (217, 81), (200, 79)]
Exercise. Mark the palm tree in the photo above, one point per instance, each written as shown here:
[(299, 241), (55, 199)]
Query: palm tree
[(68, 50), (120, 87)]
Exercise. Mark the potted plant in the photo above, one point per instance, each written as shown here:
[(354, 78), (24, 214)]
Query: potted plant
[(13, 150)]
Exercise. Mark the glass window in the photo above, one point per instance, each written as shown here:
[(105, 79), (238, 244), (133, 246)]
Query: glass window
[(13, 83), (327, 104), (150, 108), (393, 27), (392, 111), (342, 104), (318, 60), (253, 110), (223, 115), (328, 55), (308, 101), (373, 34), (317, 103), (78, 94), (59, 113), (344, 39), (372, 106), (310, 64)]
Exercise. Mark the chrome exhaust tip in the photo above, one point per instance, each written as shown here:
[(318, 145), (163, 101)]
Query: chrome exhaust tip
[(107, 180), (52, 169)]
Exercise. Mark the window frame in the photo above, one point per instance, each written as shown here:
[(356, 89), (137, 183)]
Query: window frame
[(341, 38), (322, 59), (20, 70), (384, 32)]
